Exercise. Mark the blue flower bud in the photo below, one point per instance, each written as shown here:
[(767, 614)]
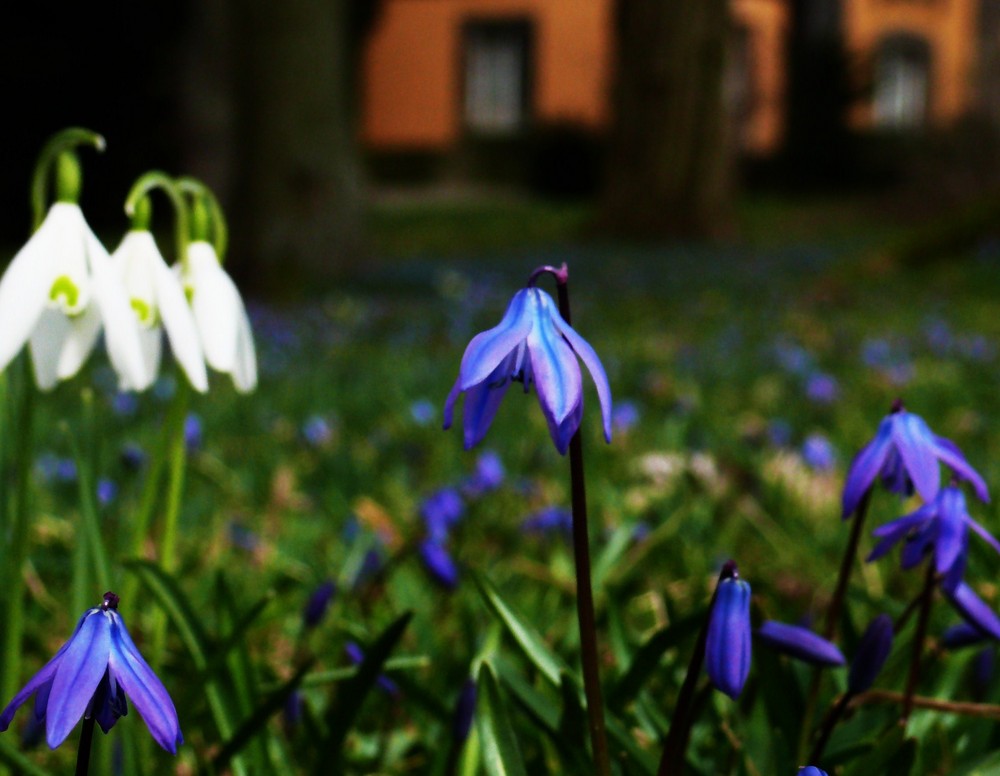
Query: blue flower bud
[(800, 643), (962, 635), (465, 709), (727, 649), (811, 770), (873, 651), (318, 603)]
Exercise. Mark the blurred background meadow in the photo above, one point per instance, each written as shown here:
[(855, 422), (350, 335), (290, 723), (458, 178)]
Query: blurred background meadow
[(778, 216)]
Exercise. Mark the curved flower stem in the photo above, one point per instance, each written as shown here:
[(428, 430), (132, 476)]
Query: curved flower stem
[(847, 562), (918, 641), (154, 179), (220, 230), (83, 753), (561, 274), (674, 750), (57, 144), (584, 589), (829, 723)]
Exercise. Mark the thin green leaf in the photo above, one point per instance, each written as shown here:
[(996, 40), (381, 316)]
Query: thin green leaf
[(500, 751), (527, 638), (22, 765), (341, 715)]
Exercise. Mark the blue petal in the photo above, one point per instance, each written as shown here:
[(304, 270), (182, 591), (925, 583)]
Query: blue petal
[(590, 360), (962, 635), (482, 402), (80, 670), (949, 454), (487, 349), (563, 433), (892, 532), (146, 691), (918, 546), (801, 643), (555, 369), (986, 535), (865, 467), (727, 649), (917, 447), (952, 536), (974, 610)]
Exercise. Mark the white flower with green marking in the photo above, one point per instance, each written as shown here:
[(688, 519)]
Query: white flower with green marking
[(158, 302), (221, 318), (57, 293)]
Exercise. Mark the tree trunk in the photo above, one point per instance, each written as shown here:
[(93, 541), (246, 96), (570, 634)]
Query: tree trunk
[(297, 173), (670, 157)]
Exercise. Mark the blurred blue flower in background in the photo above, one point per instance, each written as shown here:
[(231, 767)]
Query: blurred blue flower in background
[(317, 604), (107, 491), (132, 456), (423, 412), (317, 431), (548, 521), (822, 388), (125, 404), (489, 475), (441, 511), (532, 345), (192, 431), (624, 415), (819, 453), (439, 562)]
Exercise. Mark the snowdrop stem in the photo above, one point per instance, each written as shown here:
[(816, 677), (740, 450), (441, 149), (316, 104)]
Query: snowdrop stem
[(176, 465), (217, 219), (584, 588), (17, 550), (154, 179), (83, 753), (58, 144)]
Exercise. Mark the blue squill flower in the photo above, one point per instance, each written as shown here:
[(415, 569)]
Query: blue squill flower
[(904, 454), (941, 525), (91, 675), (811, 770), (799, 643), (873, 651), (819, 453), (318, 603), (624, 415), (488, 475), (727, 648), (550, 520), (192, 431), (532, 345), (107, 491), (316, 431), (822, 388)]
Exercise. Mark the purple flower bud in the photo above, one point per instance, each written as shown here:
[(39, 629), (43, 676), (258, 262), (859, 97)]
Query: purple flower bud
[(962, 635), (465, 709), (727, 649), (799, 643), (439, 563), (125, 404), (873, 651), (819, 453), (982, 667), (133, 457), (317, 604), (192, 431), (107, 491)]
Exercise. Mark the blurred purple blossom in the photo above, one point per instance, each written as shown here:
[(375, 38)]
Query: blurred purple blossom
[(125, 404), (441, 511), (132, 456), (624, 415), (107, 491), (548, 521), (316, 431), (423, 412), (165, 387), (317, 604), (439, 562), (822, 388), (819, 453), (488, 475), (192, 431), (779, 432)]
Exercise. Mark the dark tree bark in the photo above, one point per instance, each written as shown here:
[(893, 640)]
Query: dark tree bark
[(670, 157), (270, 118)]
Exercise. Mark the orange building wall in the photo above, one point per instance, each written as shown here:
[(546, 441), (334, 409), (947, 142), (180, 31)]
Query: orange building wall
[(411, 90), (949, 26)]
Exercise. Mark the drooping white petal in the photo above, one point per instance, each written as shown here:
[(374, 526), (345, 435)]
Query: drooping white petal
[(178, 320), (24, 289), (121, 328), (46, 344), (133, 260), (216, 303), (79, 342), (245, 368)]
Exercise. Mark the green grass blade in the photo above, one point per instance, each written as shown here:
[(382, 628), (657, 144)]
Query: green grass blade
[(500, 752)]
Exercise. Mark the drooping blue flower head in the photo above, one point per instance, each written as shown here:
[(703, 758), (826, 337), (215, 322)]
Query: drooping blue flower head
[(904, 454), (532, 345), (727, 649), (92, 674), (941, 525), (873, 651), (318, 603), (799, 643), (811, 770)]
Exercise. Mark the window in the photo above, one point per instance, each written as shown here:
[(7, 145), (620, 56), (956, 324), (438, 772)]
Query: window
[(496, 56), (902, 82)]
